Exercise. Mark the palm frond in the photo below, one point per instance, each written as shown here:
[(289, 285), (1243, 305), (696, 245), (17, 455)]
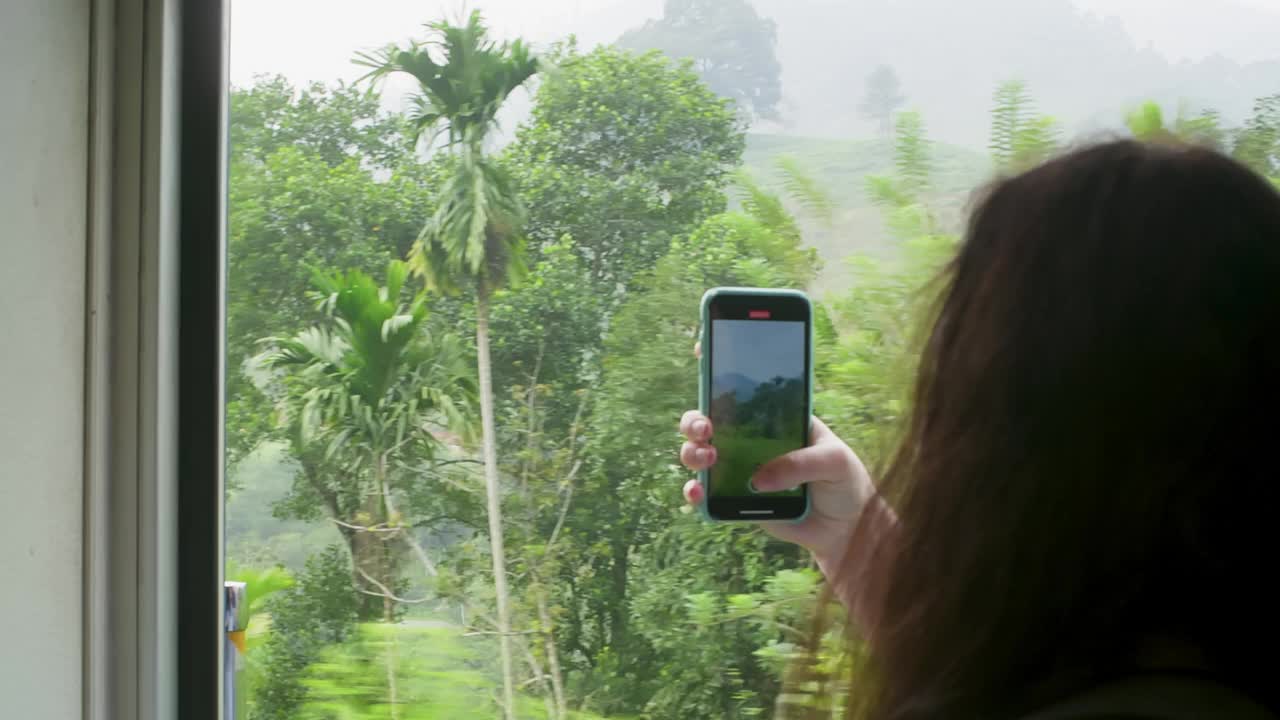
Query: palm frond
[(804, 188)]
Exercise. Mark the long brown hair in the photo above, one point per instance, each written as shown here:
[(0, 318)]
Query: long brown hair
[(1088, 461)]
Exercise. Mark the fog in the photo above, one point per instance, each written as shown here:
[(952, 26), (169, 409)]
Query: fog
[(1085, 61)]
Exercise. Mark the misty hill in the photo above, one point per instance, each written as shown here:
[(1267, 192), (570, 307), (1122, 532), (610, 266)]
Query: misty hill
[(1083, 68), (740, 385)]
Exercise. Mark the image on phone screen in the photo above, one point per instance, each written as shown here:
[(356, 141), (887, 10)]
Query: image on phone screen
[(758, 400)]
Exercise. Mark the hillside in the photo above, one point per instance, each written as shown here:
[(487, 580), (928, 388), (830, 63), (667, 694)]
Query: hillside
[(841, 166)]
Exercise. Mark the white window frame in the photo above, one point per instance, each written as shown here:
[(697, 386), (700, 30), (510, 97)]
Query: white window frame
[(153, 361)]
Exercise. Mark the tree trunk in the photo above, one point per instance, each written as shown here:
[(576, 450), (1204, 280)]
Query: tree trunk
[(493, 491), (392, 654), (553, 655), (388, 604)]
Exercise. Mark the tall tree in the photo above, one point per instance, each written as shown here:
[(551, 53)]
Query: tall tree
[(362, 396), (320, 177), (732, 48), (883, 97), (1257, 144), (473, 240), (370, 387), (1019, 137), (622, 153)]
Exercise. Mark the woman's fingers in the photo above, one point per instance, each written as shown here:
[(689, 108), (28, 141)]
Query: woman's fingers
[(695, 426), (801, 466), (693, 493), (697, 456)]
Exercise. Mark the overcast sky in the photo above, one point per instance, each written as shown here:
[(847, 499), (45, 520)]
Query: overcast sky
[(315, 39), (758, 350)]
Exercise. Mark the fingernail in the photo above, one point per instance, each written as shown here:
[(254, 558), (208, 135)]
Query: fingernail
[(700, 428), (702, 456), (754, 486)]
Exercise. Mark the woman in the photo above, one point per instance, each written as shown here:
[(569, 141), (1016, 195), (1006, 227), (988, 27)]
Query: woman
[(1084, 493)]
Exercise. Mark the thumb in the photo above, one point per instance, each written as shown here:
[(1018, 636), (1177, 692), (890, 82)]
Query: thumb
[(797, 468)]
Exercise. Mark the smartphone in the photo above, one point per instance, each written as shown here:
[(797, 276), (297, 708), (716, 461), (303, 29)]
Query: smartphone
[(756, 382)]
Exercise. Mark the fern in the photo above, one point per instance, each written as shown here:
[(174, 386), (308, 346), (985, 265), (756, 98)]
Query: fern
[(1012, 104), (911, 154), (805, 189)]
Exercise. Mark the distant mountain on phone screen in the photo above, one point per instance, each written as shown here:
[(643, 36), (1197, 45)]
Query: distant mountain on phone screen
[(740, 385)]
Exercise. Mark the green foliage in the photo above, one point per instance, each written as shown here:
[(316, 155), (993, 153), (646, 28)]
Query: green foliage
[(730, 45), (319, 178), (883, 97), (261, 583), (1147, 123), (473, 238), (1204, 128), (902, 195), (597, 161), (547, 333), (1019, 137), (319, 610), (802, 187), (364, 399), (332, 124), (440, 676), (459, 96), (866, 345), (370, 376), (911, 154), (1257, 144), (865, 371)]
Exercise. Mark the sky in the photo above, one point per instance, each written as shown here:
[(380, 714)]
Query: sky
[(315, 39), (947, 64), (758, 350), (1246, 31)]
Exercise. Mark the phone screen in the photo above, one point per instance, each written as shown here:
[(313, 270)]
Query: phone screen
[(758, 400)]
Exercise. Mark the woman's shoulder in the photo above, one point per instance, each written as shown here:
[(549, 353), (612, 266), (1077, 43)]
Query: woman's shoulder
[(1158, 697)]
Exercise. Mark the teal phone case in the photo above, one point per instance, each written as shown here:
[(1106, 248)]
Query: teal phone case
[(704, 380)]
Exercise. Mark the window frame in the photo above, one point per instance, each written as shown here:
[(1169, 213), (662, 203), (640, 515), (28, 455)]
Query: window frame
[(202, 113), (153, 469)]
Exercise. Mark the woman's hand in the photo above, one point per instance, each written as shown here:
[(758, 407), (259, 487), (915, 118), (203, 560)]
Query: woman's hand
[(839, 486)]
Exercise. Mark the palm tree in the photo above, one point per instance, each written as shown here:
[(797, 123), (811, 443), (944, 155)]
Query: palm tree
[(472, 242), (366, 388)]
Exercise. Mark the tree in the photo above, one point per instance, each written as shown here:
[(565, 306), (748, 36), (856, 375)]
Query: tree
[(1147, 123), (731, 46), (320, 176), (883, 98), (1019, 137), (1257, 144), (319, 610), (361, 396), (370, 387), (865, 344), (473, 239), (622, 153)]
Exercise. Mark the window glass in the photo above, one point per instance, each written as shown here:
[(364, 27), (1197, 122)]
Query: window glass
[(466, 254)]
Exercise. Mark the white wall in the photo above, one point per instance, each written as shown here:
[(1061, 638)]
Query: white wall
[(44, 76)]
